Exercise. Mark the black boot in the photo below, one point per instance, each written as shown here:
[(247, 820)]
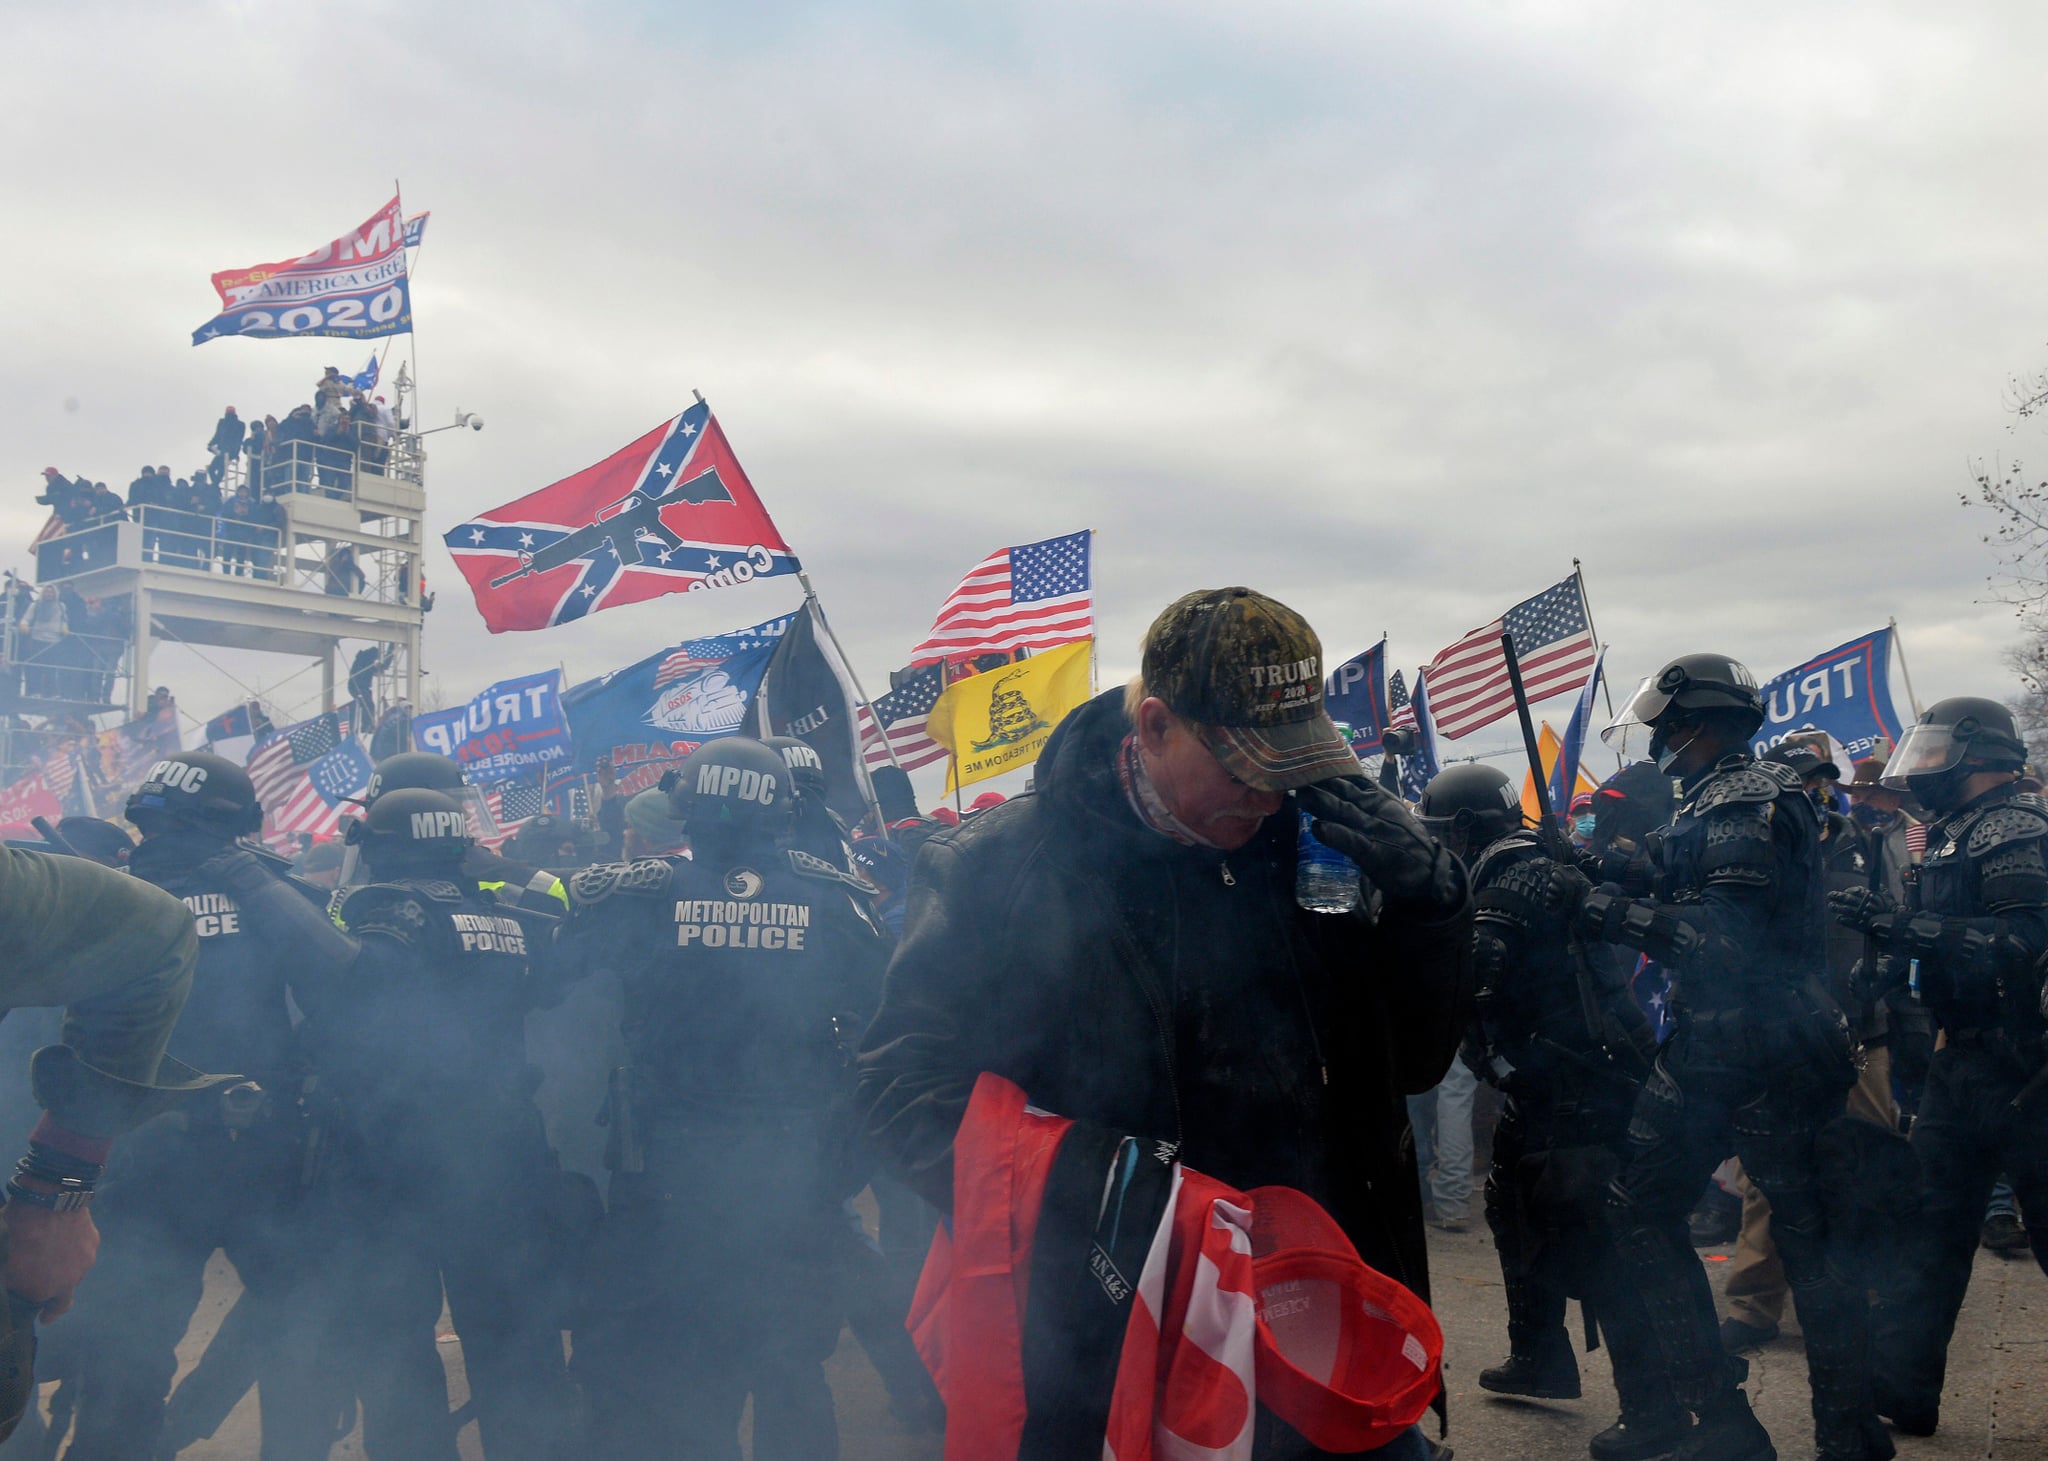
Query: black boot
[(1640, 1437), (1728, 1432), (1914, 1413), (1548, 1373)]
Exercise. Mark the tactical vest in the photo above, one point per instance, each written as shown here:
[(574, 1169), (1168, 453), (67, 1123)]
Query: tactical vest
[(236, 1017), (741, 991), (1982, 862), (1748, 826)]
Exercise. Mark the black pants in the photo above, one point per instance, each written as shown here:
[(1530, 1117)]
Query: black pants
[(717, 1278), (173, 1199), (1554, 1156), (474, 1223), (1968, 1133), (1712, 1096)]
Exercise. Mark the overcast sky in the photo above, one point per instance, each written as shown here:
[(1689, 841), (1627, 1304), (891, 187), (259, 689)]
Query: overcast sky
[(1389, 310)]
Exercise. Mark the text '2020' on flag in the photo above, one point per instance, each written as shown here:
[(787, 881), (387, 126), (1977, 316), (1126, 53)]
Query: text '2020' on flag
[(1032, 596), (1553, 636), (1001, 719), (353, 286), (669, 513)]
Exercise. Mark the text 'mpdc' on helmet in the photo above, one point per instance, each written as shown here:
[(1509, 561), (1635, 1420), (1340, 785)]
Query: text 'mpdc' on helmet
[(1471, 804), (196, 789), (1692, 683), (1957, 736), (806, 766), (735, 787), (413, 824)]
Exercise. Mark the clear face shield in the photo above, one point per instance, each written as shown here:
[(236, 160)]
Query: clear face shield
[(1630, 732), (1925, 750)]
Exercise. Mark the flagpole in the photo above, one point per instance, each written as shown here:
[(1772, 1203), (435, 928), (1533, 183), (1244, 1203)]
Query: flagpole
[(1899, 647), (1606, 691), (811, 598)]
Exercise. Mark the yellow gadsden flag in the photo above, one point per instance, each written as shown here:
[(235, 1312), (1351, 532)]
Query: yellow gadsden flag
[(999, 720)]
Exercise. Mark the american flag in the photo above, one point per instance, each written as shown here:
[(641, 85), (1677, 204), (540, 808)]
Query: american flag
[(1400, 710), (699, 654), (1468, 683), (903, 713), (512, 802), (282, 770), (1033, 596)]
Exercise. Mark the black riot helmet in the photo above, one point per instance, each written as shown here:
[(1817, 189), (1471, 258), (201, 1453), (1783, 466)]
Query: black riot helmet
[(199, 792), (1470, 806), (415, 769), (806, 766), (1953, 741), (412, 828), (734, 790), (1691, 689)]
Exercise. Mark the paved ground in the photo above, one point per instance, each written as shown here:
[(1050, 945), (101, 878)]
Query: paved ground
[(1996, 1408)]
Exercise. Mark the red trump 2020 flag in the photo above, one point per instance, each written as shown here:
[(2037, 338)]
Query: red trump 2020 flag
[(669, 513)]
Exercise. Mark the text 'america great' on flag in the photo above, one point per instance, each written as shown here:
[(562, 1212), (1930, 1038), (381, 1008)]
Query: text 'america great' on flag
[(672, 512), (1033, 596), (1553, 637)]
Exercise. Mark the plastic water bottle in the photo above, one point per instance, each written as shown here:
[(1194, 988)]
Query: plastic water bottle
[(1325, 880)]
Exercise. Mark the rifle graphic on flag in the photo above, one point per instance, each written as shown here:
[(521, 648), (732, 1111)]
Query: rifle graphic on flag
[(622, 527)]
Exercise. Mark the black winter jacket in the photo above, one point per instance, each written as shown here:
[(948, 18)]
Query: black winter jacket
[(1171, 992)]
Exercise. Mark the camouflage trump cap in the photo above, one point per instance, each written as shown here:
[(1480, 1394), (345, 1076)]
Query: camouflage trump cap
[(1248, 671)]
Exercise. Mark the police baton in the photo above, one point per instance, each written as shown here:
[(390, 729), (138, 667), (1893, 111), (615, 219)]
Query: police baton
[(52, 836), (1552, 834)]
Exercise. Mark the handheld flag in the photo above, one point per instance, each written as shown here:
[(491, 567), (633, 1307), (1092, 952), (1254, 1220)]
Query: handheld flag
[(672, 511), (1551, 747), (1553, 640), (904, 714), (353, 287), (1032, 596), (809, 694), (366, 378), (999, 721), (506, 729), (650, 715), (1846, 692), (1356, 696), (1564, 776), (282, 769)]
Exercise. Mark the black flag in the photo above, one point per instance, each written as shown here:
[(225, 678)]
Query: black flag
[(809, 694)]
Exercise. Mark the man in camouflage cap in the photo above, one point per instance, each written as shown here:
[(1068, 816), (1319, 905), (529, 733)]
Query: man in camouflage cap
[(1123, 942)]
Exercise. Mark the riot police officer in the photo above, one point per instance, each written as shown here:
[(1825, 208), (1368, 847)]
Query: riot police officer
[(1556, 1031), (442, 1174), (748, 970), (1975, 929), (533, 888), (223, 1171), (819, 830), (1759, 1062)]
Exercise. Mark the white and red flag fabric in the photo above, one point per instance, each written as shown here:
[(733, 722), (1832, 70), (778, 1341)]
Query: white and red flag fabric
[(306, 776), (1217, 1301), (671, 512), (904, 714), (353, 286), (1553, 636), (1032, 596)]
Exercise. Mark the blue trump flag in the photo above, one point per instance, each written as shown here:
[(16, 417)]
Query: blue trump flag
[(510, 728), (1564, 776), (1356, 697), (651, 715), (1846, 692)]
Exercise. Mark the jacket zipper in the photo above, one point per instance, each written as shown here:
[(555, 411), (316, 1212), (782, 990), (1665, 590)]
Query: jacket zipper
[(1223, 867)]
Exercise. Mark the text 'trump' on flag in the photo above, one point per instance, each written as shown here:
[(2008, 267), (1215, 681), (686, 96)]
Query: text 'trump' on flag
[(1032, 596), (1553, 637), (671, 512)]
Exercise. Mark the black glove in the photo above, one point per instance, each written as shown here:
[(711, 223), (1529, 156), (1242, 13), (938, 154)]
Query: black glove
[(1568, 889), (239, 872), (1379, 833), (1860, 908)]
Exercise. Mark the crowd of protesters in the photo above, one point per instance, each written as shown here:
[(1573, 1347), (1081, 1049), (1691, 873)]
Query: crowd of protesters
[(227, 511)]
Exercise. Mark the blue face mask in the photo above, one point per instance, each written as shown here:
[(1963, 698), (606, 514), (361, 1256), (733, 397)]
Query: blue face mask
[(1583, 825)]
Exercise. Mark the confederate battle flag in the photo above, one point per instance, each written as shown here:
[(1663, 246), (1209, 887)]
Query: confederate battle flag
[(671, 512)]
